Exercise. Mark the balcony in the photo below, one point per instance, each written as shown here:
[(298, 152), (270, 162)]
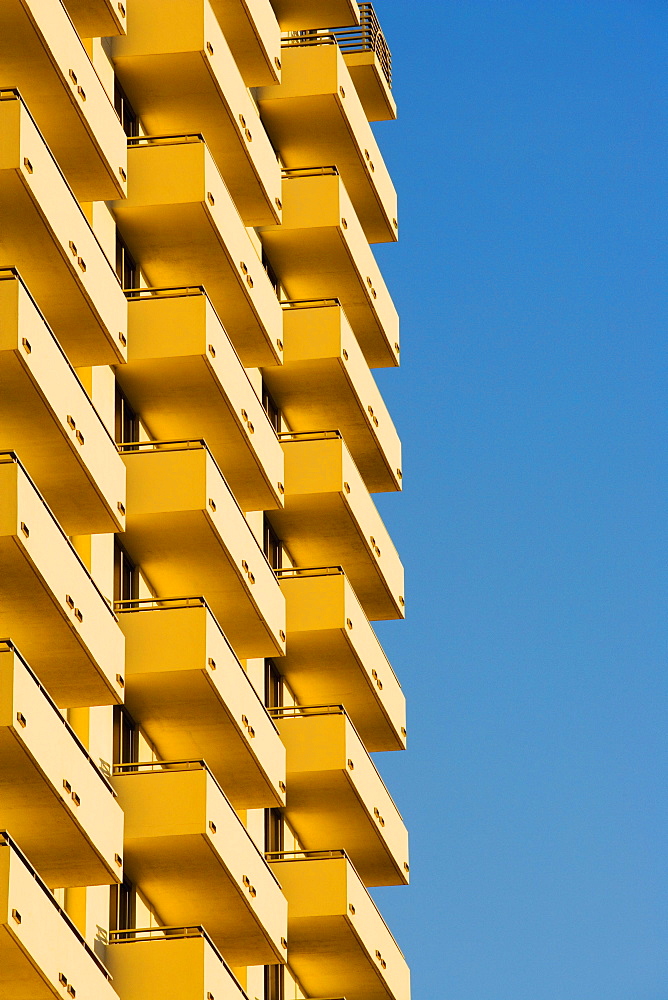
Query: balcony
[(188, 851), (369, 61), (185, 378), (42, 55), (254, 37), (294, 15), (333, 656), (45, 413), (315, 117), (185, 530), (324, 381), (42, 954), (180, 76), (182, 228), (157, 963), (320, 252), (97, 18), (53, 797), (49, 605), (191, 696), (46, 234), (336, 796), (340, 946), (330, 519)]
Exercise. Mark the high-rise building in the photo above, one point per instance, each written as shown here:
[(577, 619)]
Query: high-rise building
[(190, 558)]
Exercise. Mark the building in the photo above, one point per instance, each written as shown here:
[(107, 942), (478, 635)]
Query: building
[(190, 559)]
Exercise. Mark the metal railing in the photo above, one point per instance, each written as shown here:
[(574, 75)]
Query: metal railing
[(309, 303), (368, 37), (308, 435), (306, 856), (288, 173), (173, 292), (365, 37), (176, 444), (306, 711), (290, 572), (176, 138)]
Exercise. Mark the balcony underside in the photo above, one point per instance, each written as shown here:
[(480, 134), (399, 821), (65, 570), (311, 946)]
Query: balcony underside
[(27, 239), (179, 244), (295, 14), (324, 381), (254, 37), (182, 553), (42, 55), (178, 92), (97, 18), (54, 457), (321, 263), (324, 529), (325, 667), (187, 884), (31, 616), (19, 979), (185, 378), (44, 821), (184, 715), (326, 807), (333, 656)]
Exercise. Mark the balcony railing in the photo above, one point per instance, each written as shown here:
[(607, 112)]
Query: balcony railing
[(365, 37), (138, 934), (368, 37), (146, 962)]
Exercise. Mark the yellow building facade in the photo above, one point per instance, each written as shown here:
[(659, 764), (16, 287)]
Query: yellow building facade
[(190, 556)]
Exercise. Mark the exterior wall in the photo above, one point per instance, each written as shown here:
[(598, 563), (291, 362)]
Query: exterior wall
[(252, 178)]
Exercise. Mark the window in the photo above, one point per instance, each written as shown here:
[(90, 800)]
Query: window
[(272, 545), (126, 269), (126, 420), (274, 982), (126, 737), (273, 685), (125, 111), (271, 274), (271, 409), (122, 906), (273, 830), (126, 575)]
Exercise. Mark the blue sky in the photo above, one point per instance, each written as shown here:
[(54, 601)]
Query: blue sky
[(531, 277)]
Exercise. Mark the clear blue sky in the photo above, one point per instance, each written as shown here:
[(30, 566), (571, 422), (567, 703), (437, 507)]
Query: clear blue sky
[(531, 277)]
